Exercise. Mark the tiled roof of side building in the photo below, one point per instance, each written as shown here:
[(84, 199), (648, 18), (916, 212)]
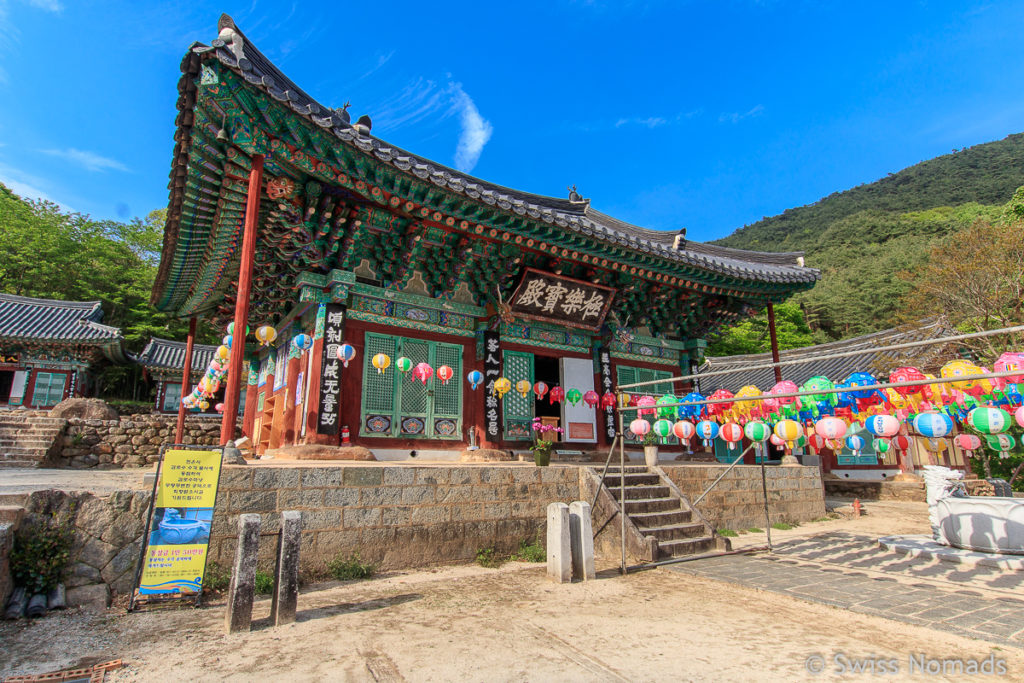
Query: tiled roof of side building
[(25, 318), (164, 353), (575, 216), (865, 358)]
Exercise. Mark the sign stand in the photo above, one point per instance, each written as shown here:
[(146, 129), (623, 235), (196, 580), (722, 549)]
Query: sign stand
[(193, 476)]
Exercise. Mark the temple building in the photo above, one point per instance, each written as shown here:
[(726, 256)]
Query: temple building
[(420, 269), (162, 361), (50, 350)]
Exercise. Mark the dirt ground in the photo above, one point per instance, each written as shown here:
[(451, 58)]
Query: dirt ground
[(508, 624)]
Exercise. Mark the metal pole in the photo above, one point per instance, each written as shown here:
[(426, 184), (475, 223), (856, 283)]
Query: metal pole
[(727, 470), (186, 379), (604, 472), (829, 356), (252, 215), (774, 341), (622, 491), (764, 490)]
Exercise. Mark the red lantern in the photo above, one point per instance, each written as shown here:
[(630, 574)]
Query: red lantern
[(646, 402), (968, 443), (731, 433), (591, 398), (423, 372), (901, 442), (608, 400), (556, 395), (539, 389), (445, 373), (816, 441)]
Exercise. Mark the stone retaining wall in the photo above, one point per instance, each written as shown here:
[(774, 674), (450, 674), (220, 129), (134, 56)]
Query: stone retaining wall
[(737, 502), (132, 441), (395, 517)]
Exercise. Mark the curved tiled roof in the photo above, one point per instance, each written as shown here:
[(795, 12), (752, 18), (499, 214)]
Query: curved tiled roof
[(167, 354), (25, 318), (239, 55)]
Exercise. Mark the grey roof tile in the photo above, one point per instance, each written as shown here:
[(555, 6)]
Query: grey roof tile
[(53, 320)]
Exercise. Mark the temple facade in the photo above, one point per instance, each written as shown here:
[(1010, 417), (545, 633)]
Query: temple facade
[(408, 276), (50, 350)]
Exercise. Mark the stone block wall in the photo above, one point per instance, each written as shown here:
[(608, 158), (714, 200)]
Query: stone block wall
[(395, 517), (132, 441), (737, 502)]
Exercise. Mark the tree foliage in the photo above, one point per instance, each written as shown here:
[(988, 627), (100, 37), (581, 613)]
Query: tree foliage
[(752, 336)]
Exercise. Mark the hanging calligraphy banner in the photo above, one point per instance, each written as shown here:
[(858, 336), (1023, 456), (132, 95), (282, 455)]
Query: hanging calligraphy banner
[(575, 303), (607, 386), (330, 370), (492, 371)]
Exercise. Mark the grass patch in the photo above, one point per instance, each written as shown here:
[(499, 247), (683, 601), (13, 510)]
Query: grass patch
[(827, 518), (216, 579), (349, 568), (728, 533), (529, 552), (264, 582), (755, 530), (784, 526), (486, 557)]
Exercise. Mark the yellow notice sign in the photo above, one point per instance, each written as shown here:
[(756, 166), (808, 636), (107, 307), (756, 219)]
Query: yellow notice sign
[(188, 479)]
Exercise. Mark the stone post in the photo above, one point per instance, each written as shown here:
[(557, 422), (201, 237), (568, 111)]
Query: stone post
[(559, 552), (243, 575), (286, 582), (581, 534)]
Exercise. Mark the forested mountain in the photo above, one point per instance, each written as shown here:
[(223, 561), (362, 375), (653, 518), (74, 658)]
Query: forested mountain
[(871, 242)]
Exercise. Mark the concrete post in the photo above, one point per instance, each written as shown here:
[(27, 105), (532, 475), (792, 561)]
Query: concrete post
[(559, 552), (243, 575), (581, 534), (286, 582)]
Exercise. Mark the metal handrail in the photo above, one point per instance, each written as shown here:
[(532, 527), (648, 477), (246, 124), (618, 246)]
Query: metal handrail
[(604, 472)]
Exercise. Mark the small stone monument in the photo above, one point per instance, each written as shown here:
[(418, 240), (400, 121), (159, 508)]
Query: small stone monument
[(581, 534), (242, 590), (558, 545)]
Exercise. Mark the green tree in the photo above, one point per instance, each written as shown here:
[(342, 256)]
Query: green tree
[(752, 336)]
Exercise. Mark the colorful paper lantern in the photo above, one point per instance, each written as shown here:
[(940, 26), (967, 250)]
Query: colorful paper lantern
[(831, 428), (684, 430), (346, 352), (231, 329), (1010, 362), (731, 433), (219, 407), (967, 443), (1003, 443), (474, 378), (816, 441), (502, 386), (226, 341), (774, 439), (691, 412), (591, 398), (403, 364), (662, 428), (789, 431), (640, 427), (855, 443), (1018, 415), (882, 426), (524, 387), (445, 373), (902, 442), (608, 400), (539, 389), (265, 335), (881, 446), (989, 420), (757, 431), (933, 425), (381, 361), (934, 445), (302, 342), (223, 352), (556, 395), (907, 374), (667, 410), (204, 406), (573, 396), (707, 431), (646, 402)]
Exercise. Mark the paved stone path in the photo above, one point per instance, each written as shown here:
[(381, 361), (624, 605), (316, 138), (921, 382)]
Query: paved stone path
[(852, 572), (102, 482)]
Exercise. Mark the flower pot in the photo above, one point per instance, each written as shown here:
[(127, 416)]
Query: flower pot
[(542, 459), (651, 456)]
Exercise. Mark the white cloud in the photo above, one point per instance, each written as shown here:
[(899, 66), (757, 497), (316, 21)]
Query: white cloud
[(26, 186), (90, 161), (736, 117), (48, 5), (476, 130)]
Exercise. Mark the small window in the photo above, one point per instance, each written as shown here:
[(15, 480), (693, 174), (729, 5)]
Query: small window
[(172, 397), (49, 389)]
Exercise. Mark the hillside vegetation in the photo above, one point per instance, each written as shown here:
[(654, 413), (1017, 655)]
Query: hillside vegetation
[(870, 240)]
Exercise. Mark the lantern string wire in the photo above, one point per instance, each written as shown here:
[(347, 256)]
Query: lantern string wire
[(828, 356)]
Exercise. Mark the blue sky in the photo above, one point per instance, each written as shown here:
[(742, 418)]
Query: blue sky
[(707, 114)]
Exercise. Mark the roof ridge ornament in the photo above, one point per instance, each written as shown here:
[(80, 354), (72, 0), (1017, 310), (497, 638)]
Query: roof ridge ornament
[(679, 243), (574, 196), (233, 41)]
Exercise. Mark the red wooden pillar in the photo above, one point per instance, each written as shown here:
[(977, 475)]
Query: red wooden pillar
[(252, 214), (313, 399), (249, 413), (774, 341), (291, 386), (186, 377)]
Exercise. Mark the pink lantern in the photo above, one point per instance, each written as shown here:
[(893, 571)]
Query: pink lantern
[(830, 428), (219, 407), (783, 387), (1008, 362), (539, 389), (684, 430), (968, 443), (445, 373), (774, 438), (591, 398), (423, 372), (556, 395), (646, 402), (640, 427), (731, 433), (1018, 415)]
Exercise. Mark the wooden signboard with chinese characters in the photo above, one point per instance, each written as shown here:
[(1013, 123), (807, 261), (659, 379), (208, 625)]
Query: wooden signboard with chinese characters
[(575, 303), (330, 371)]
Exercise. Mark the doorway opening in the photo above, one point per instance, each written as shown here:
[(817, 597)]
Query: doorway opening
[(6, 383), (546, 369)]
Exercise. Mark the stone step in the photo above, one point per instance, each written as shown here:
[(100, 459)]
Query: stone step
[(636, 469), (26, 441), (673, 532), (13, 464), (641, 491), (650, 520), (15, 499), (19, 450), (632, 479), (11, 514), (651, 505), (686, 546), (42, 421)]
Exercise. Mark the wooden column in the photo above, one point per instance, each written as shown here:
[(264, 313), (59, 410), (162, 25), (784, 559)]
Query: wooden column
[(186, 376), (291, 384), (252, 215), (774, 341), (249, 413)]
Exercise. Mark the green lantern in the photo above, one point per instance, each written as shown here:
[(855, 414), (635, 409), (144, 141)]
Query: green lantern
[(988, 420), (670, 411), (662, 428), (231, 329), (882, 446), (403, 364), (574, 396), (1003, 443)]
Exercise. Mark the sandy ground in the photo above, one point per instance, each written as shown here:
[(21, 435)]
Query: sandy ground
[(508, 624)]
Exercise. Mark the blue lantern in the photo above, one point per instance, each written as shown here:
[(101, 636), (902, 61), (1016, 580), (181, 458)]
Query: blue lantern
[(302, 342), (474, 378)]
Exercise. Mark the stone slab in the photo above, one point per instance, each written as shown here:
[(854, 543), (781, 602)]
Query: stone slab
[(559, 548), (924, 547)]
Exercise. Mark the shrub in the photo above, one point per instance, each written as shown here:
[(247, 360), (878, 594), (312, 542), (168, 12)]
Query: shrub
[(529, 552), (346, 569), (486, 557), (264, 582), (216, 579), (727, 532), (783, 526), (41, 552)]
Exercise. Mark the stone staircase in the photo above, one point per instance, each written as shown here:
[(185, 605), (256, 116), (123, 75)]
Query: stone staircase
[(27, 438), (661, 514)]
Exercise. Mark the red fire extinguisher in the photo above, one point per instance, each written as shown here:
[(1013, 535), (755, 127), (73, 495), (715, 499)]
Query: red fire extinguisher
[(344, 436)]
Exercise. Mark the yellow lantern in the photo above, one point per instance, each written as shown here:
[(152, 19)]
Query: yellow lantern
[(266, 335), (502, 386), (381, 361), (789, 431), (524, 387), (223, 352)]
